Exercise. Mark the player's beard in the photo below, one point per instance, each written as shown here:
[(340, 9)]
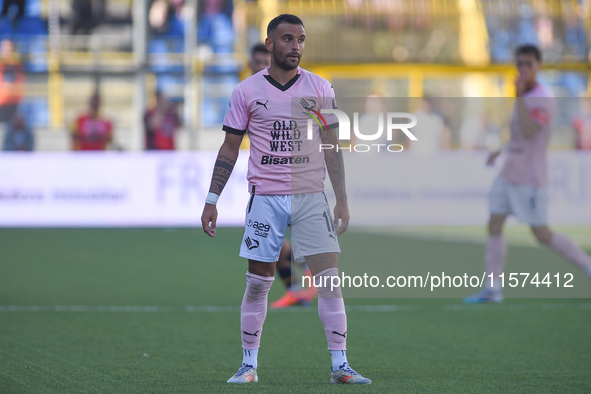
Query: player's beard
[(283, 62)]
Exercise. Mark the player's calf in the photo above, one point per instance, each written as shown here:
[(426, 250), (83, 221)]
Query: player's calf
[(331, 309), (542, 234)]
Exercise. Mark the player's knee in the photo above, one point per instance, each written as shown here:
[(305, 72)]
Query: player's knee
[(257, 284), (495, 227), (543, 235), (328, 283)]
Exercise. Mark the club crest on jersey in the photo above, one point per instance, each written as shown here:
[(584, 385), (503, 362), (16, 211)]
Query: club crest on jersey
[(309, 105), (251, 243)]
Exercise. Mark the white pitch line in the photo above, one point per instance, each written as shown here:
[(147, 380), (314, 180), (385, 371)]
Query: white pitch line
[(517, 307), (352, 308)]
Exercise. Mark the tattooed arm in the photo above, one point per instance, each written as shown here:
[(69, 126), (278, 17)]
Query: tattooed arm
[(224, 165), (336, 173)]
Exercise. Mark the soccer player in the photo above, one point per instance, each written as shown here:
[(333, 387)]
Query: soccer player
[(520, 189), (260, 58), (285, 174), (294, 294)]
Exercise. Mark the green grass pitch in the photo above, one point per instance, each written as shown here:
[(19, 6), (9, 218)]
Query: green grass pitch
[(405, 345)]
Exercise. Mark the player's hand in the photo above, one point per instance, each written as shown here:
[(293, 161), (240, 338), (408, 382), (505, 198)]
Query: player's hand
[(209, 218), (341, 211), (491, 158), (520, 85)]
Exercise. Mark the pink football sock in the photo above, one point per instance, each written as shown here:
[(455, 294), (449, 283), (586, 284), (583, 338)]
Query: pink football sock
[(331, 310), (495, 256), (254, 309), (565, 247)]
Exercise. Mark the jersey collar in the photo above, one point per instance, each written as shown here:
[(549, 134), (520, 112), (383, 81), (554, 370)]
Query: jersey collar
[(279, 86)]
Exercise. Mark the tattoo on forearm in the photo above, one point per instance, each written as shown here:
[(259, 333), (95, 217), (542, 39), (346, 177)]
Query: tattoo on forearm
[(221, 173), (336, 170)]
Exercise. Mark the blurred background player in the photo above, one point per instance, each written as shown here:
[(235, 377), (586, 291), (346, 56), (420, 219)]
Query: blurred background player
[(294, 294), (91, 131), (520, 188), (260, 58), (161, 123), (582, 124)]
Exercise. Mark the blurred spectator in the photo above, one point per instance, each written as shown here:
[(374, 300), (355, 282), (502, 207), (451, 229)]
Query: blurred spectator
[(92, 132), (86, 14), (158, 16), (369, 122), (430, 131), (260, 58), (526, 29), (18, 136), (161, 124), (213, 7), (582, 124), (20, 9), (575, 36), (215, 24), (473, 132), (12, 81)]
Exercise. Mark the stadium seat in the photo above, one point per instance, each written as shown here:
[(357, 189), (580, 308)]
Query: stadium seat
[(36, 51), (160, 48), (31, 26), (176, 28), (169, 85), (36, 111), (215, 30), (217, 90), (5, 28)]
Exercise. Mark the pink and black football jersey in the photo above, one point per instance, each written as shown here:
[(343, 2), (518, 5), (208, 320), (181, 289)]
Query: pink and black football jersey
[(526, 158), (283, 160)]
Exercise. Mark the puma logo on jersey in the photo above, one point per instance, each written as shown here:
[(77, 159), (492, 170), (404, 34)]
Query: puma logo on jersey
[(264, 105), (338, 333), (251, 243), (254, 335)]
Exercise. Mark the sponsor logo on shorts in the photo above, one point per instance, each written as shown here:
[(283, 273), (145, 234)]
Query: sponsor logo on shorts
[(271, 160), (261, 229), (251, 243)]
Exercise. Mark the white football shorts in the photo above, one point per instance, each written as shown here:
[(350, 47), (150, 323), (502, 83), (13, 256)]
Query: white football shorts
[(528, 203), (268, 217)]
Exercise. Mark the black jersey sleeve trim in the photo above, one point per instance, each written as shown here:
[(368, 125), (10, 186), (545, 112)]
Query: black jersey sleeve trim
[(333, 126), (232, 130)]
